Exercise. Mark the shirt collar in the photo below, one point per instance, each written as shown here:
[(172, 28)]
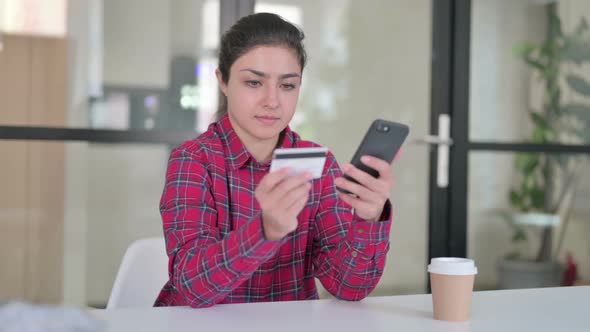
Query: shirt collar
[(237, 154)]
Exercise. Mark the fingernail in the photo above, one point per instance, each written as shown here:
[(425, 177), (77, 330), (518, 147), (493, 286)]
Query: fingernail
[(366, 159)]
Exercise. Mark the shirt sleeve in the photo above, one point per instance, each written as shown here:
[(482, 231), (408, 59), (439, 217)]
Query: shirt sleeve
[(349, 253), (202, 266)]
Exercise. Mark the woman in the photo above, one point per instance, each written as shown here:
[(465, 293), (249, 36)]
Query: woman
[(237, 233)]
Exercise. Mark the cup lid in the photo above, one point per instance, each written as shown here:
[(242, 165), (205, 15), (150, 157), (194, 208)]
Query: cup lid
[(452, 266)]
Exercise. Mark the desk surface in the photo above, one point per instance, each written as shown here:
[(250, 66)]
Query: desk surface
[(549, 309)]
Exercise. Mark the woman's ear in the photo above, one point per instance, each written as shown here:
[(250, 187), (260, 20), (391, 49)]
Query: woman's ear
[(222, 84)]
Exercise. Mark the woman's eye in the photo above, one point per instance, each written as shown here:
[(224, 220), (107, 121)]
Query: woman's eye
[(289, 86), (253, 84)]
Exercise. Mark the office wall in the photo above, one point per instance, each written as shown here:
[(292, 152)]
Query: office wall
[(76, 180), (137, 42)]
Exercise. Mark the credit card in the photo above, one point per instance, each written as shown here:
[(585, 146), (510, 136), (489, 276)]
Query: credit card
[(300, 160)]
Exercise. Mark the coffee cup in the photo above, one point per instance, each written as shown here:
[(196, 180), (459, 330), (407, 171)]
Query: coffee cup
[(451, 280)]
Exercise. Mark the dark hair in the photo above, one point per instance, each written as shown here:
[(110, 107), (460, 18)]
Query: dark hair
[(257, 30)]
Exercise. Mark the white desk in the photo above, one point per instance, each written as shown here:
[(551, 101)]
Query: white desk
[(549, 309)]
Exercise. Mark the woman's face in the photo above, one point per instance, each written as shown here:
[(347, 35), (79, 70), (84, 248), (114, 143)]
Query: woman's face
[(262, 92)]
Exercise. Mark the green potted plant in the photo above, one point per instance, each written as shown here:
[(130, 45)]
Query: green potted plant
[(538, 199)]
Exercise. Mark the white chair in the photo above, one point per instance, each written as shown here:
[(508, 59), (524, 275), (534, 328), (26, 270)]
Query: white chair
[(143, 273)]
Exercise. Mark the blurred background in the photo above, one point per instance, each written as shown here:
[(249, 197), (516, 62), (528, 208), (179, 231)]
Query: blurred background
[(94, 95)]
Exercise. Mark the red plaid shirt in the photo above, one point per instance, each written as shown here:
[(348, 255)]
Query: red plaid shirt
[(215, 242)]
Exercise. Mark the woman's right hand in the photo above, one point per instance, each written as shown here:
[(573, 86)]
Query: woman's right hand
[(281, 198)]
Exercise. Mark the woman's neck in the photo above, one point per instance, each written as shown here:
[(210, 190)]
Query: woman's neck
[(260, 150)]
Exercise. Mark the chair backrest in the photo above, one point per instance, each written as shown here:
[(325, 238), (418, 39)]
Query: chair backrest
[(143, 273)]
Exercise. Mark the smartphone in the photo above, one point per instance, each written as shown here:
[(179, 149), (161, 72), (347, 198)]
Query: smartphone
[(383, 140)]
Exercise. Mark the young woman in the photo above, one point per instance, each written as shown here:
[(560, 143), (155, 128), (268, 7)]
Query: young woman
[(237, 233)]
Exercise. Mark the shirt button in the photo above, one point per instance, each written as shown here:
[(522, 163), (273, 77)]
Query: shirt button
[(361, 231), (354, 254)]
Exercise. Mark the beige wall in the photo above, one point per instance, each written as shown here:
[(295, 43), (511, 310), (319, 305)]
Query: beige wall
[(124, 189), (137, 42), (76, 185)]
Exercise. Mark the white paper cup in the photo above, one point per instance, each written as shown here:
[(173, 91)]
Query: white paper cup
[(451, 280)]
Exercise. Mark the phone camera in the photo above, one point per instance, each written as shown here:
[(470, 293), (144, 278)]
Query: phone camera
[(383, 128)]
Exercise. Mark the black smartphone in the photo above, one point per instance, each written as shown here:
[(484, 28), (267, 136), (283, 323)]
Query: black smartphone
[(383, 140)]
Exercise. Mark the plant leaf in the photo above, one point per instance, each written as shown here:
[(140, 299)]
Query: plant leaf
[(578, 84), (524, 49), (515, 199), (519, 235), (536, 64), (548, 48), (555, 24), (539, 135), (527, 162), (537, 198), (539, 120), (512, 255)]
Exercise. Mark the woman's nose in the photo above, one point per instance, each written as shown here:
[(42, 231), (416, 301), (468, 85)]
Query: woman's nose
[(271, 97)]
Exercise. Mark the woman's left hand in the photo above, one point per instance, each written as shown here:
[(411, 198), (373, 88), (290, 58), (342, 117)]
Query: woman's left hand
[(371, 193)]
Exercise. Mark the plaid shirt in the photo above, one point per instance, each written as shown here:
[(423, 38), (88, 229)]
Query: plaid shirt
[(215, 242)]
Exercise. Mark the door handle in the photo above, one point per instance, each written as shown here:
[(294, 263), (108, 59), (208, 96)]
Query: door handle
[(443, 142), (434, 140)]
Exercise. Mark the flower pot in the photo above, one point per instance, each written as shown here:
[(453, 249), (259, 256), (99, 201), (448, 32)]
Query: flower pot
[(528, 274)]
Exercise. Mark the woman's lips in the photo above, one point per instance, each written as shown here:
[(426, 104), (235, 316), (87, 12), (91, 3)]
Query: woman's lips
[(267, 120)]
